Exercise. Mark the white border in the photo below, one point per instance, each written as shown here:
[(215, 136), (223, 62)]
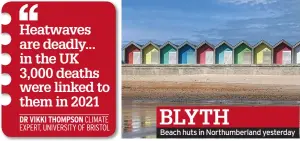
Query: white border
[(117, 134)]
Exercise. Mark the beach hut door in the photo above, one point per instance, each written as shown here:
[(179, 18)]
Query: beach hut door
[(209, 57), (247, 57), (228, 57), (286, 57), (267, 57), (136, 57), (190, 57), (298, 57), (172, 57), (154, 57)]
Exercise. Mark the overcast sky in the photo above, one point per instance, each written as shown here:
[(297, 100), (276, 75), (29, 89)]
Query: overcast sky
[(211, 20)]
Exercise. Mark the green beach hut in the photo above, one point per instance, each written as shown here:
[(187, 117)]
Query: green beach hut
[(168, 53), (243, 53)]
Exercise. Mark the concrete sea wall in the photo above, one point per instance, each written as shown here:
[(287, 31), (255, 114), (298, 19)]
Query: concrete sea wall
[(129, 69)]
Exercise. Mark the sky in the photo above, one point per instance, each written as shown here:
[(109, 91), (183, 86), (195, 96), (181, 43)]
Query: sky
[(211, 20)]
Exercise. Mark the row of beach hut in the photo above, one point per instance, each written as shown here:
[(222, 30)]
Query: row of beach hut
[(206, 53)]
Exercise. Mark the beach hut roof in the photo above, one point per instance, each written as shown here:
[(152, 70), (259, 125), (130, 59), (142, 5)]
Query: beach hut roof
[(187, 43), (133, 43), (224, 42), (205, 42), (169, 43), (297, 44), (262, 42), (242, 42), (151, 43), (282, 41)]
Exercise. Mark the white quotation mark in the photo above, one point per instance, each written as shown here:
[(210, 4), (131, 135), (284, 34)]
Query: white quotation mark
[(23, 16)]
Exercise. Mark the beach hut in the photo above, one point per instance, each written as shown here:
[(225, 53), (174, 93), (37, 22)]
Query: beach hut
[(132, 53), (150, 52), (224, 53), (205, 53), (168, 53), (242, 53), (282, 53), (186, 53), (296, 53), (262, 53)]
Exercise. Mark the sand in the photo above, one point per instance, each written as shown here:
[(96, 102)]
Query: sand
[(239, 87)]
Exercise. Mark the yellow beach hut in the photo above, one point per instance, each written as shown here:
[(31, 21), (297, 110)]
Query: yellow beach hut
[(263, 53), (150, 53)]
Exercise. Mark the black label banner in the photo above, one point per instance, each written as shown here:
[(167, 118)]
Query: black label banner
[(227, 132)]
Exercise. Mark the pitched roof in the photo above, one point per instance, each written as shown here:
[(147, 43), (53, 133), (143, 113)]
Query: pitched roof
[(205, 42), (151, 43), (169, 43), (133, 43), (242, 42), (282, 41), (262, 42), (297, 45), (187, 43), (224, 42)]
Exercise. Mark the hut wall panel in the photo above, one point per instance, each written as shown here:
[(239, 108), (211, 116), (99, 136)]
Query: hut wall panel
[(209, 57), (227, 57), (190, 57), (247, 57), (267, 55), (286, 57), (172, 58), (154, 57), (164, 54), (129, 53), (147, 58), (220, 58), (183, 58), (297, 55), (201, 53), (136, 58)]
